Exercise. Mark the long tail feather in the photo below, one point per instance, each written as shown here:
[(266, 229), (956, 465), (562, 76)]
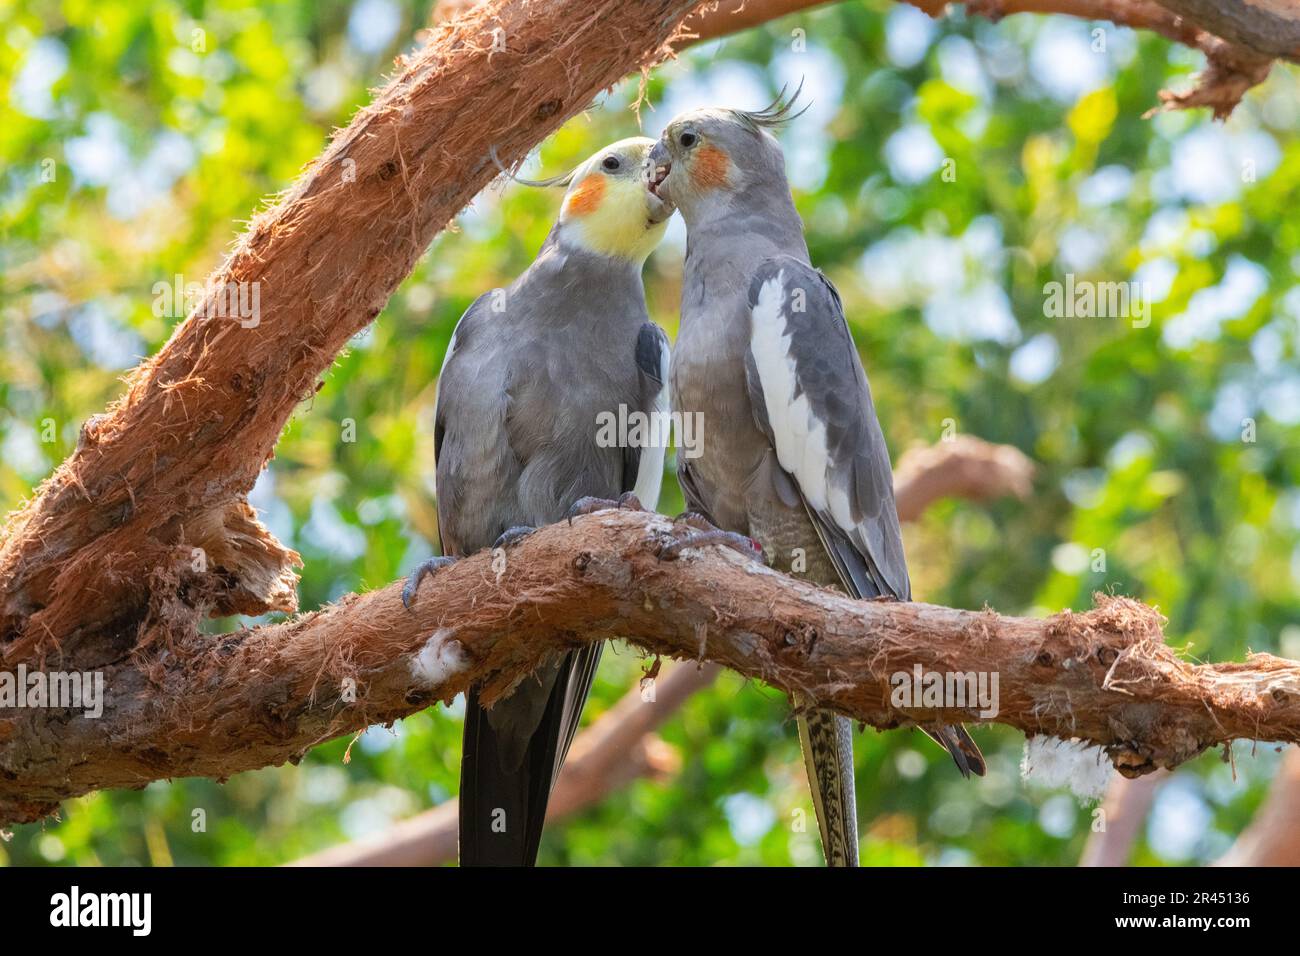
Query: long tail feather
[(506, 775), (827, 741), (965, 754)]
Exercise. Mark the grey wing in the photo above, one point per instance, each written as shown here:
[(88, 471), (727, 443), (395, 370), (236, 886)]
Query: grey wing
[(811, 399), (476, 467)]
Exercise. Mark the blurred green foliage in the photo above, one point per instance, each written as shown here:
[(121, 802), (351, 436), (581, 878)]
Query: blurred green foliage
[(946, 172)]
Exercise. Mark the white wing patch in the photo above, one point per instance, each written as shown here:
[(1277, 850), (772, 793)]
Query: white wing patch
[(799, 435), (650, 466)]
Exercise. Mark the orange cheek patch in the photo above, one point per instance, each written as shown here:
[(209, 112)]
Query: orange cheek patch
[(587, 197), (710, 169)]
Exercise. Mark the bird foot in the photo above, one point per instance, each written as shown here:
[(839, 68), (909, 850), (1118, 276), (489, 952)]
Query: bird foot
[(421, 569), (695, 519), (589, 505), (750, 548), (513, 536)]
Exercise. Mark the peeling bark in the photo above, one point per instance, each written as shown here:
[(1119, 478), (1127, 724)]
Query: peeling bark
[(145, 530), (213, 707)]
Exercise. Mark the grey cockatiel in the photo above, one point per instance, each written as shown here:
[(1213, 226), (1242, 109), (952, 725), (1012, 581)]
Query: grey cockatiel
[(794, 456), (531, 372)]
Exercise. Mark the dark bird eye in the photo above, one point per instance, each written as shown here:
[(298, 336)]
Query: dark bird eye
[(688, 139), (610, 163)]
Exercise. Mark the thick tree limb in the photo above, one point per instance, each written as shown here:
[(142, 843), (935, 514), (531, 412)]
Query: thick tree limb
[(1104, 676), (1240, 38)]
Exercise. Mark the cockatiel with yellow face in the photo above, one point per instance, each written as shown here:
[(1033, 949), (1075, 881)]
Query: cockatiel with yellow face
[(795, 457), (530, 373)]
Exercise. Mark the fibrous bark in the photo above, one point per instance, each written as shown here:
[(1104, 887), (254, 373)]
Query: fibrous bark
[(1240, 38), (259, 697)]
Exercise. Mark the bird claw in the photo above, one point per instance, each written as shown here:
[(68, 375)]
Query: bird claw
[(421, 569), (698, 539), (695, 519), (589, 505), (513, 536)]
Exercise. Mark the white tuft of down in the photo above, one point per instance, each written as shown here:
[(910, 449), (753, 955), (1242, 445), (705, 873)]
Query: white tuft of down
[(799, 436), (440, 659), (1053, 763)]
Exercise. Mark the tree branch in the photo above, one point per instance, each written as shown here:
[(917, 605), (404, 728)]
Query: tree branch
[(1232, 67), (1240, 38), (965, 467), (725, 17), (1104, 676)]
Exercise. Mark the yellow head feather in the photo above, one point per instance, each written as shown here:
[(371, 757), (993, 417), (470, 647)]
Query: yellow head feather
[(610, 212), (612, 218)]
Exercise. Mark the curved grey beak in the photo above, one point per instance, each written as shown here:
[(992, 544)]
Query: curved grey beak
[(657, 167)]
